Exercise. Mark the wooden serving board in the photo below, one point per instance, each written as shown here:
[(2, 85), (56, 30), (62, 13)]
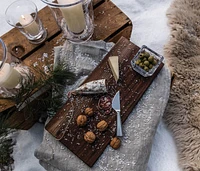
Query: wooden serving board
[(131, 85)]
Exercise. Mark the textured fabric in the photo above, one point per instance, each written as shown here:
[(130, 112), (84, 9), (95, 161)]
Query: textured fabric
[(183, 55), (139, 130)]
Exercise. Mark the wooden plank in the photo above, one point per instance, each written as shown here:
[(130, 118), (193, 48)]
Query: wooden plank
[(124, 32), (97, 2), (131, 85), (38, 60), (109, 20), (5, 104), (30, 114)]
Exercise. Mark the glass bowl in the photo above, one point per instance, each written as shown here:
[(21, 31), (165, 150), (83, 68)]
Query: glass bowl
[(146, 61)]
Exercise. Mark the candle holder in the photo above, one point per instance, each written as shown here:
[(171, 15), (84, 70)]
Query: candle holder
[(75, 17), (23, 14), (12, 73)]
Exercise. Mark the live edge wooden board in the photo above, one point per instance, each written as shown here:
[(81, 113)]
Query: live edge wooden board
[(131, 85), (110, 24)]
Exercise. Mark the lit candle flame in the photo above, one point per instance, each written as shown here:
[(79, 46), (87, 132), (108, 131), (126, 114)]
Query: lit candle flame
[(23, 17)]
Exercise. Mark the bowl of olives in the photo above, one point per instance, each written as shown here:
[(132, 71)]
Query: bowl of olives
[(146, 61)]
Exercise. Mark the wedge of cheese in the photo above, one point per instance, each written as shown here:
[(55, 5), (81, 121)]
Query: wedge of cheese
[(114, 65)]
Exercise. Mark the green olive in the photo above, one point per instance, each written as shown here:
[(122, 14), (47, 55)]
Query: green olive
[(146, 68), (144, 59), (150, 59), (146, 54), (150, 66), (138, 62), (146, 63), (154, 62), (141, 65), (141, 55)]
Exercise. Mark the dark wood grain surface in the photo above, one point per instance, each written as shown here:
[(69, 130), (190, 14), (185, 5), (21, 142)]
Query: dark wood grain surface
[(131, 85)]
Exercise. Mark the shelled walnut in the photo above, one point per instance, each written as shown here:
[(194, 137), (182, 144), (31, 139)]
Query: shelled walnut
[(89, 111), (102, 125), (115, 143), (89, 137), (81, 120)]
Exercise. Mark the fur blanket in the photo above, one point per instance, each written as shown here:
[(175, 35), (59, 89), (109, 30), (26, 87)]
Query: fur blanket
[(182, 52)]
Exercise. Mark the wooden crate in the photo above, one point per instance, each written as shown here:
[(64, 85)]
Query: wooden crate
[(110, 24)]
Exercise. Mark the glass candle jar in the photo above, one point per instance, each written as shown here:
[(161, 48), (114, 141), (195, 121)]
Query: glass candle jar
[(9, 77), (23, 14), (75, 17)]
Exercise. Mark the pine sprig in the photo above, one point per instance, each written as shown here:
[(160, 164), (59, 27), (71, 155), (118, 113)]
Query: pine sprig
[(56, 79), (59, 79), (6, 149)]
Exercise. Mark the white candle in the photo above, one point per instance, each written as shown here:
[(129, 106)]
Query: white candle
[(9, 77), (29, 24), (73, 15)]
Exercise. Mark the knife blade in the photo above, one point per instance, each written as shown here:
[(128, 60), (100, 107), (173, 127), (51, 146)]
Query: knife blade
[(116, 107)]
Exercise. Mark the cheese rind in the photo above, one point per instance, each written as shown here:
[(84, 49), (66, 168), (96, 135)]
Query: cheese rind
[(114, 65)]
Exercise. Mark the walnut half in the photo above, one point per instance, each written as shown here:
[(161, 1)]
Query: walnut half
[(89, 111), (81, 120), (102, 125), (89, 137), (115, 143)]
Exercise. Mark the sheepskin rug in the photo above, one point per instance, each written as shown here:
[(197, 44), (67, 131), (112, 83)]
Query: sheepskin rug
[(182, 53)]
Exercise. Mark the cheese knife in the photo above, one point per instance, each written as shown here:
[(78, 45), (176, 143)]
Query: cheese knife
[(116, 107)]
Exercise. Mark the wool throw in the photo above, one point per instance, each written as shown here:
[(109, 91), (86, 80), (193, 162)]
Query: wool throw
[(182, 53)]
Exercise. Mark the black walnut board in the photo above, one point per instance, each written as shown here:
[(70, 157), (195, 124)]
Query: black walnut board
[(131, 85)]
